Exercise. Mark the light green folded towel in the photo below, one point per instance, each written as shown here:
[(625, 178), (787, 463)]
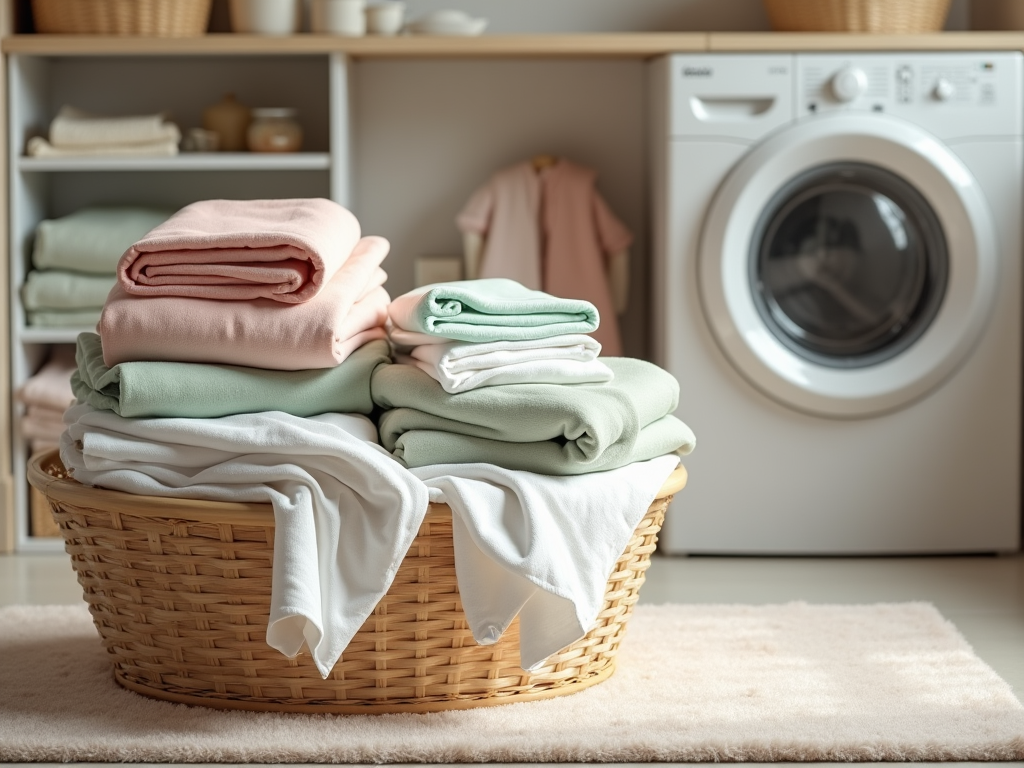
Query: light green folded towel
[(487, 310), (92, 239), (551, 429), (55, 318), (57, 289), (204, 391)]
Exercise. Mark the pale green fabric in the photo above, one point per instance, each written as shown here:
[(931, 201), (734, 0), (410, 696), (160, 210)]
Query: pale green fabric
[(92, 239), (552, 429), (200, 390), (58, 289), (497, 310), (55, 318)]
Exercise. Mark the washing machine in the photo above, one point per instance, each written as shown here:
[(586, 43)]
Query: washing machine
[(837, 287)]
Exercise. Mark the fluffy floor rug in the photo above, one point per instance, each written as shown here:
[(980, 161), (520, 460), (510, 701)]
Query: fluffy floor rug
[(696, 682)]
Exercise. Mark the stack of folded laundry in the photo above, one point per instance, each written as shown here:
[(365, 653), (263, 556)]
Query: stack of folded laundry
[(46, 396), (75, 263), (74, 133), (548, 415)]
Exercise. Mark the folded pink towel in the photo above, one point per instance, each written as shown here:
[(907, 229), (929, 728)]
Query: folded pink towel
[(51, 385), (350, 311), (285, 250)]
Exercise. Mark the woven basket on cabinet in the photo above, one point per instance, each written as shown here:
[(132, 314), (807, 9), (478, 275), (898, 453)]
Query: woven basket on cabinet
[(151, 18), (885, 16), (180, 593)]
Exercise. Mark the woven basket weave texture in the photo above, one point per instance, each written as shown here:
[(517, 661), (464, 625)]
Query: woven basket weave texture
[(181, 599), (151, 18), (880, 16)]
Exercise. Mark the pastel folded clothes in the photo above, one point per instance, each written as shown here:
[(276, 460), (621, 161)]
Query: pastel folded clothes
[(239, 250), (345, 512), (321, 333), (40, 147), (76, 128), (485, 310), (50, 387), (464, 366), (552, 429), (57, 318), (92, 239), (202, 390), (61, 290), (540, 547), (42, 423)]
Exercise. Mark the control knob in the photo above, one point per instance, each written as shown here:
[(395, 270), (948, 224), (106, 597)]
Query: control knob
[(849, 83), (944, 90)]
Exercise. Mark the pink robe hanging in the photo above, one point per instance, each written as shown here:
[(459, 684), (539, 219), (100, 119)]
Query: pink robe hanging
[(553, 224)]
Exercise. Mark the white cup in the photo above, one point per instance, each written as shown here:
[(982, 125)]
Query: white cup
[(385, 17), (265, 17), (338, 17)]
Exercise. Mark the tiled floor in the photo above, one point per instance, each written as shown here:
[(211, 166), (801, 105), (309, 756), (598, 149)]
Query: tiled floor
[(983, 596)]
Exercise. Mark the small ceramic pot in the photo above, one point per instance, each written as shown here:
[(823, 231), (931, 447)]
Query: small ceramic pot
[(274, 130), (265, 17), (338, 17), (230, 121), (385, 18)]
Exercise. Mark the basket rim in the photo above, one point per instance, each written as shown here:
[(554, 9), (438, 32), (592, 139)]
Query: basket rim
[(227, 512)]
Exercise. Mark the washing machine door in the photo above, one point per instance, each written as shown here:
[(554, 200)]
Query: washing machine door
[(848, 264)]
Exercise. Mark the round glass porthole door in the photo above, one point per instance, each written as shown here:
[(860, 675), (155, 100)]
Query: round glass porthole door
[(848, 265)]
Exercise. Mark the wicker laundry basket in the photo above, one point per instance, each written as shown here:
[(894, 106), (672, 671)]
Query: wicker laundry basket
[(885, 16), (150, 18), (180, 593)]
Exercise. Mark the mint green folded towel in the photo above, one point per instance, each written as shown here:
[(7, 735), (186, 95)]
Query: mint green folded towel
[(486, 310), (92, 239), (59, 318), (203, 391), (551, 429), (62, 290)]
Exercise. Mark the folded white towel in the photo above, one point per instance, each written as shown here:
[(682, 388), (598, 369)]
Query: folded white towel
[(40, 147), (345, 512), (462, 366), (75, 128), (538, 546)]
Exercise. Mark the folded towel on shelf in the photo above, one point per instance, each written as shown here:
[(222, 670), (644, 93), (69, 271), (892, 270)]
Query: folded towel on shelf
[(40, 147), (551, 429), (60, 290), (42, 424), (50, 386), (485, 310), (76, 128), (56, 318), (540, 547), (201, 390), (463, 366), (284, 250), (92, 239), (345, 512), (261, 333)]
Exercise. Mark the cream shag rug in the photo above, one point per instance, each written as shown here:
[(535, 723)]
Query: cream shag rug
[(695, 682)]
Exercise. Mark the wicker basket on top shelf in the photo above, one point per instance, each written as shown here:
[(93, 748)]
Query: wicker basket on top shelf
[(149, 18), (884, 16)]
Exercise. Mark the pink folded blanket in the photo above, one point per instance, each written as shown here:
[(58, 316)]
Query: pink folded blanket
[(350, 311), (285, 250)]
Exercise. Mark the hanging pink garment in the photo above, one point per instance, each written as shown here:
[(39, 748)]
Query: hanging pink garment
[(580, 232)]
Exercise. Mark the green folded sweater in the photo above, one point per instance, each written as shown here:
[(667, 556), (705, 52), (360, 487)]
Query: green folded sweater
[(200, 390), (552, 429), (490, 310)]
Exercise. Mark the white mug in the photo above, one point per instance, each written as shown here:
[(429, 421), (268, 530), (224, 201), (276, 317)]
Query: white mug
[(338, 17), (385, 17), (265, 17)]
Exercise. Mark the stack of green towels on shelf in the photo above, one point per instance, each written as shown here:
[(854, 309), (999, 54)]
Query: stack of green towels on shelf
[(74, 260), (553, 408)]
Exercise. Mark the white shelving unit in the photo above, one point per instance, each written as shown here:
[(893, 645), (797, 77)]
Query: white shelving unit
[(40, 83)]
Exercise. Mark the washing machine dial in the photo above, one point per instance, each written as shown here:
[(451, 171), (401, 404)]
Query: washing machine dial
[(849, 83), (944, 90)]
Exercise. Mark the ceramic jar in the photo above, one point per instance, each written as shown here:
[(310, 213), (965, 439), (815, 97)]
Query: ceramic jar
[(230, 121), (338, 17), (385, 17), (274, 130), (265, 17)]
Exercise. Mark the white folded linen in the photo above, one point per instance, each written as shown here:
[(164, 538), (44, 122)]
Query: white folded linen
[(463, 366), (345, 511), (40, 147), (539, 546), (76, 128)]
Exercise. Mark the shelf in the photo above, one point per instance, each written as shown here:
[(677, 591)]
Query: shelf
[(52, 335), (627, 44), (213, 161)]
